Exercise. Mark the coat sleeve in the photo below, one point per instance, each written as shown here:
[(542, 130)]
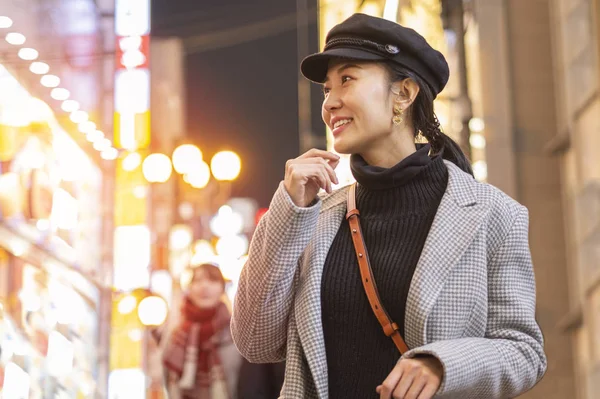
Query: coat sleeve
[(510, 358), (265, 292)]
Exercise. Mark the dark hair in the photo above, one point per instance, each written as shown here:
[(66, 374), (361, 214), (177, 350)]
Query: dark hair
[(424, 119), (213, 273)]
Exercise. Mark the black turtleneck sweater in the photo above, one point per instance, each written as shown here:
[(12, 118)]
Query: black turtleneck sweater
[(397, 207)]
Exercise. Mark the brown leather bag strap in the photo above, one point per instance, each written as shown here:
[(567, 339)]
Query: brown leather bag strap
[(366, 273)]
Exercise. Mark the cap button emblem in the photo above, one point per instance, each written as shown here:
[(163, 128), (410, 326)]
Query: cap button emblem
[(390, 48)]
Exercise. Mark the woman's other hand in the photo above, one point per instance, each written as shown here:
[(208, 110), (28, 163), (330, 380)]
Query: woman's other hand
[(417, 378), (308, 173)]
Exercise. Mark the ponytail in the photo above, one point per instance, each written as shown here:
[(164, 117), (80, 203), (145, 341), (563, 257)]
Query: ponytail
[(452, 152), (425, 121)]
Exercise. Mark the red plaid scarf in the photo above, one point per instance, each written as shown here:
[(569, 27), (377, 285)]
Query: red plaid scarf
[(197, 338)]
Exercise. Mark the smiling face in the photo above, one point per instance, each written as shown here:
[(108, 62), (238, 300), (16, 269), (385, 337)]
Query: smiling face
[(358, 107), (207, 287)]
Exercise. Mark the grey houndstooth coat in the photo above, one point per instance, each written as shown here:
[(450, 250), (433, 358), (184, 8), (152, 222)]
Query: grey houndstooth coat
[(471, 302)]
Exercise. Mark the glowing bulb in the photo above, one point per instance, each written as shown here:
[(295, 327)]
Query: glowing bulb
[(60, 94), (226, 165), (102, 145), (157, 168), (39, 68), (234, 246), (28, 54), (203, 252), (477, 141), (135, 335), (199, 177), (95, 136), (140, 192), (70, 106), (152, 311), (132, 161), (180, 237), (87, 127), (127, 304), (78, 116), (476, 125), (226, 222), (480, 170), (110, 154), (185, 158), (15, 38), (50, 80), (5, 22)]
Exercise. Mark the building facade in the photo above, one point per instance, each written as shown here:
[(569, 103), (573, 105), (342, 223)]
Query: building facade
[(576, 53), (535, 71), (54, 162)]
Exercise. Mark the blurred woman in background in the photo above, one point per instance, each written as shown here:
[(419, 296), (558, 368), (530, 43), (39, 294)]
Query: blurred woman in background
[(199, 358)]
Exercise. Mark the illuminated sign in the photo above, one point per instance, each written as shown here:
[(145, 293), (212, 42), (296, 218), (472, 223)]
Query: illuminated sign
[(132, 76), (132, 17)]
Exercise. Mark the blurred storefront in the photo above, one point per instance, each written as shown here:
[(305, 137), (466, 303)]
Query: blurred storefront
[(54, 273), (50, 244)]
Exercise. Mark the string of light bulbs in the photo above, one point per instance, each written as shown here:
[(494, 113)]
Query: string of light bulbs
[(53, 83)]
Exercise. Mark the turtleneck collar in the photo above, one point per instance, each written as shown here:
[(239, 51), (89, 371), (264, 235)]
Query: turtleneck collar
[(414, 185), (378, 178)]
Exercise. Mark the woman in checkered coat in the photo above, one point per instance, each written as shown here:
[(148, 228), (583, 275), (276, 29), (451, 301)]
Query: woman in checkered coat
[(449, 255)]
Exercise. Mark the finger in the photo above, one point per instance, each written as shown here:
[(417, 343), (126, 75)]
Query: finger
[(325, 175), (404, 384), (330, 172), (428, 391), (293, 164), (298, 173), (333, 164), (319, 178), (313, 170), (302, 172), (389, 384), (314, 160), (320, 153), (311, 160), (416, 388), (316, 182), (320, 161), (320, 170)]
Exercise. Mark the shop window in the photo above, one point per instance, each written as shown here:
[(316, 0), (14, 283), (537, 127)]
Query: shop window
[(49, 329)]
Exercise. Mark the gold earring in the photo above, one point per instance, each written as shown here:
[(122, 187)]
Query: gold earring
[(398, 117), (420, 139)]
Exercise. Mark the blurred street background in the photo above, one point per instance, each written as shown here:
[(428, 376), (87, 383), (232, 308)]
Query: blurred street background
[(139, 138)]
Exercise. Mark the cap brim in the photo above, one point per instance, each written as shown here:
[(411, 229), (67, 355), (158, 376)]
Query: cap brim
[(315, 66)]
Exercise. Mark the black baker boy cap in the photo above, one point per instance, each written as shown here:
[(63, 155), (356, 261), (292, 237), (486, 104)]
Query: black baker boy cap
[(366, 38)]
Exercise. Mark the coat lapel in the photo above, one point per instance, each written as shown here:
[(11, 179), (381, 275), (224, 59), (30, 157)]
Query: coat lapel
[(308, 300), (455, 224)]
